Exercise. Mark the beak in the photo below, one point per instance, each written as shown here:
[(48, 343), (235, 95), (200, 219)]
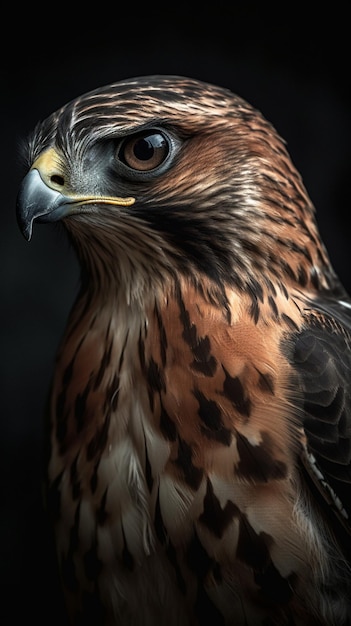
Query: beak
[(42, 196), (36, 201)]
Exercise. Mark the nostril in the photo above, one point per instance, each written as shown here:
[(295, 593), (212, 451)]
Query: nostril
[(57, 179)]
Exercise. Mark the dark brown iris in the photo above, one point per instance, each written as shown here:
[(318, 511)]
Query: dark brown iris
[(145, 151)]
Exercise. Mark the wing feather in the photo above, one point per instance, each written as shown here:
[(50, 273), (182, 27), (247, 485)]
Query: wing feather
[(322, 359)]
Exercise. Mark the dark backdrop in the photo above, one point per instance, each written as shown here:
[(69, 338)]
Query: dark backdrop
[(289, 65)]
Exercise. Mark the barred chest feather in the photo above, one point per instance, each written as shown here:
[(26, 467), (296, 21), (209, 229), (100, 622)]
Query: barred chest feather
[(172, 481)]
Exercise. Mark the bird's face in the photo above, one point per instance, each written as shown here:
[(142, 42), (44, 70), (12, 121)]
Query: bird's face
[(170, 171)]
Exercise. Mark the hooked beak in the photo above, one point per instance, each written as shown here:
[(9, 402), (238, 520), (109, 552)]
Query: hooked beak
[(41, 195)]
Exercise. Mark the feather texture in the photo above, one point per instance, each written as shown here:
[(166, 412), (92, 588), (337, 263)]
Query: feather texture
[(200, 418)]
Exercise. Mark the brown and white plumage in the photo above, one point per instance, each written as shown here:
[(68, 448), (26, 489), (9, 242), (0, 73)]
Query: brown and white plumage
[(200, 418)]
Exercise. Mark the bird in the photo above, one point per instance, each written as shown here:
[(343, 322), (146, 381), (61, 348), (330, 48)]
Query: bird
[(198, 446)]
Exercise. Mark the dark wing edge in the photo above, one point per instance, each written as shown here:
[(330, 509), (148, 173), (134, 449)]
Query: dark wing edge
[(321, 357)]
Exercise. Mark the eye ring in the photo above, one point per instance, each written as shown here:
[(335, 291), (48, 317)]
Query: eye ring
[(145, 151)]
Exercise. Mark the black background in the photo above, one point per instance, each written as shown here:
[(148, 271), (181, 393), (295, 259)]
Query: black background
[(292, 65)]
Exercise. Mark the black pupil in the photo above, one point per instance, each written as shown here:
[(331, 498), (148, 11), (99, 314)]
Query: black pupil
[(144, 148)]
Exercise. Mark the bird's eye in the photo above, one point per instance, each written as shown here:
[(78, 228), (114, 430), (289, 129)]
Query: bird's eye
[(144, 152)]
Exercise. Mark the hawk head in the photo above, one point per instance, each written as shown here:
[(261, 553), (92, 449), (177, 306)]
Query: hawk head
[(164, 174)]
